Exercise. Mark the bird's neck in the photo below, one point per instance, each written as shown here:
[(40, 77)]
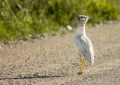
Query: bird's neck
[(81, 30)]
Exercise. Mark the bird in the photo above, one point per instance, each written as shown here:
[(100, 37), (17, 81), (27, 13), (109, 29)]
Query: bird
[(82, 43)]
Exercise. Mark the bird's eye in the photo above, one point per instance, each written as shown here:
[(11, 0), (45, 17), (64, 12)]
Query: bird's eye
[(82, 17)]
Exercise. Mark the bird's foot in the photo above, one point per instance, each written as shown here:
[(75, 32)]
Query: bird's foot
[(79, 72)]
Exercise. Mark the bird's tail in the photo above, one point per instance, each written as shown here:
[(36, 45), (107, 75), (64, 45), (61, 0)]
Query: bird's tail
[(92, 61)]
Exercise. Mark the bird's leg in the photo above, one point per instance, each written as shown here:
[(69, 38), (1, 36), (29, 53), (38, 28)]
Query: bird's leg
[(81, 65)]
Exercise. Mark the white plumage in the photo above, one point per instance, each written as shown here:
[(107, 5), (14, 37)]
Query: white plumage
[(82, 43)]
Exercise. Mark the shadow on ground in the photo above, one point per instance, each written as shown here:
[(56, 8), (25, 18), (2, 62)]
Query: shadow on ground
[(55, 76)]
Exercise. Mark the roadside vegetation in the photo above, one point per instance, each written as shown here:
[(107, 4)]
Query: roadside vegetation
[(20, 18)]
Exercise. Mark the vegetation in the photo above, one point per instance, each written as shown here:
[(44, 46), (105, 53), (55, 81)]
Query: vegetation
[(28, 17)]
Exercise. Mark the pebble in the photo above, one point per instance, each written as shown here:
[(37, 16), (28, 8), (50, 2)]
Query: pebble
[(95, 25), (24, 38), (35, 36), (43, 35), (54, 34), (69, 28)]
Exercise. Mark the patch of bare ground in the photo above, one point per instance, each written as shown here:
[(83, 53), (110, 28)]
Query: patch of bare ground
[(54, 61)]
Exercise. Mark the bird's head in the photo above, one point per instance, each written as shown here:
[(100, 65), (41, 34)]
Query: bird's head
[(82, 19)]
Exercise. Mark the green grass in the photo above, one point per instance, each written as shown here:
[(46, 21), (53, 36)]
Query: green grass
[(28, 17)]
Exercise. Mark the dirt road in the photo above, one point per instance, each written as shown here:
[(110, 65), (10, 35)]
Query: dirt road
[(54, 61)]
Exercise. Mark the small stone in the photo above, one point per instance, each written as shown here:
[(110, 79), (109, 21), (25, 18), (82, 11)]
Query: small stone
[(7, 42), (19, 76), (29, 35), (2, 45), (41, 38), (44, 35), (54, 34), (24, 38), (69, 28), (109, 22), (36, 74), (35, 36), (95, 25)]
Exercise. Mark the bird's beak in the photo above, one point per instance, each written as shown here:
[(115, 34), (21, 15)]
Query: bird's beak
[(77, 17)]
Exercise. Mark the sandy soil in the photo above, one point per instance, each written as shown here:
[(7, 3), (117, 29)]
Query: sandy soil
[(54, 61)]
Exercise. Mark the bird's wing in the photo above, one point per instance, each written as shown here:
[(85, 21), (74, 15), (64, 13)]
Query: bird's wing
[(85, 48)]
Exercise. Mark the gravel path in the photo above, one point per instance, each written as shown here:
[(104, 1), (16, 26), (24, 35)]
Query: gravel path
[(54, 61)]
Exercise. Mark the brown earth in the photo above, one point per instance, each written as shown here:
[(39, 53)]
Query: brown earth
[(54, 61)]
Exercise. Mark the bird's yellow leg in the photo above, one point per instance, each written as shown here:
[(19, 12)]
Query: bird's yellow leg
[(81, 65)]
